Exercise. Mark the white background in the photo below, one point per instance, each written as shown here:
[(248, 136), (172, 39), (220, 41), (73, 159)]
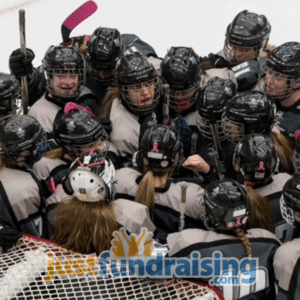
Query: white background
[(162, 23)]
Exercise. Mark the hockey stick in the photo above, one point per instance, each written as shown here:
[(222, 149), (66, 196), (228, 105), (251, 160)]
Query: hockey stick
[(166, 100), (24, 82), (76, 17), (182, 206), (216, 154)]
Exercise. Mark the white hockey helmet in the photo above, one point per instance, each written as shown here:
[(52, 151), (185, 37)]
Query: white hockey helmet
[(90, 179)]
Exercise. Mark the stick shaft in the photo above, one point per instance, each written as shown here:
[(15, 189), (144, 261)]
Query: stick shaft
[(24, 83)]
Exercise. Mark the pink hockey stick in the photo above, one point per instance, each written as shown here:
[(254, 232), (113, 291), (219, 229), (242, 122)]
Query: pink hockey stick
[(79, 15)]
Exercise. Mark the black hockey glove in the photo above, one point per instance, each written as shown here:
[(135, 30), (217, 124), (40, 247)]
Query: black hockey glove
[(219, 61), (246, 75), (19, 65), (8, 237)]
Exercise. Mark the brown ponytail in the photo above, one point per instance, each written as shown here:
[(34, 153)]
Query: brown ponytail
[(243, 237), (107, 102), (55, 153), (261, 215), (285, 151)]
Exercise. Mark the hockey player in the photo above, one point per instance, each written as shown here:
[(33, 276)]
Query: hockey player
[(246, 38), (22, 143), (182, 75), (225, 210), (77, 133), (172, 200), (9, 94), (211, 136), (256, 161), (65, 76), (287, 257), (254, 112), (86, 221), (281, 81), (130, 103)]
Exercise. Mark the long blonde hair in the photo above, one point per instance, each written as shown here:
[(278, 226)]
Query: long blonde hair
[(55, 153), (85, 227), (146, 190)]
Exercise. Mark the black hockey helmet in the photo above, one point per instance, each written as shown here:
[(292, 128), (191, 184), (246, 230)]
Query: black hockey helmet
[(19, 133), (180, 70), (256, 158), (212, 103), (103, 52), (90, 178), (161, 147), (247, 30), (248, 112), (290, 201), (10, 90), (134, 73), (285, 59), (78, 128), (226, 205), (62, 60)]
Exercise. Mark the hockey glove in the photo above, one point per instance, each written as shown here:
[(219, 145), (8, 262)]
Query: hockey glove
[(8, 237), (219, 61), (21, 65)]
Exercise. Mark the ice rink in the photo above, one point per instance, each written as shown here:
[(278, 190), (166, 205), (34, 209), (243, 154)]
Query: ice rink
[(162, 23)]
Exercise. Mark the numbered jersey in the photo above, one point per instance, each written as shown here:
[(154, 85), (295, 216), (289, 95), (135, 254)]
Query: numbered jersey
[(21, 202), (223, 257), (169, 212), (287, 270), (273, 191)]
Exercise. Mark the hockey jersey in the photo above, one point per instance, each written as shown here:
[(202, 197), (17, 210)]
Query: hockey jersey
[(264, 244)]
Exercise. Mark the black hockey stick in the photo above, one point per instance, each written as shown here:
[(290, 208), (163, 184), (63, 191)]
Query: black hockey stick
[(79, 15), (24, 83)]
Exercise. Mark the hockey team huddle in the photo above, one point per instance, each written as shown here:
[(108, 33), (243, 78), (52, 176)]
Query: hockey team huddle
[(202, 151)]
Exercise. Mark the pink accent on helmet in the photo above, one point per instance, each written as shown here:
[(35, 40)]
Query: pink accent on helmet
[(71, 105)]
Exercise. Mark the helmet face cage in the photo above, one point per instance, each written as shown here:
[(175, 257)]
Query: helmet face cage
[(182, 100), (143, 97), (204, 127), (76, 148), (239, 54), (65, 84), (277, 86), (104, 77), (296, 161), (234, 131), (91, 178), (287, 212)]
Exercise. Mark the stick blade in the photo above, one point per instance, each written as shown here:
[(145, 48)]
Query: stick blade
[(79, 15)]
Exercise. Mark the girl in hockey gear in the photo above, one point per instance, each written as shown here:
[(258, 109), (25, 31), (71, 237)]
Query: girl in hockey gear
[(22, 143), (255, 160), (246, 38), (254, 112), (211, 137), (9, 94), (90, 182), (287, 259), (225, 209), (64, 70), (130, 103), (280, 79), (77, 133), (157, 187)]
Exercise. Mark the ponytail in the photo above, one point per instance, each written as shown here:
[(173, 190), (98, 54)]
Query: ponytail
[(261, 215), (243, 237)]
